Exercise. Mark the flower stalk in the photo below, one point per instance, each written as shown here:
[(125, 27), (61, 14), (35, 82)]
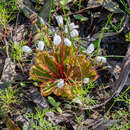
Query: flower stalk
[(58, 70)]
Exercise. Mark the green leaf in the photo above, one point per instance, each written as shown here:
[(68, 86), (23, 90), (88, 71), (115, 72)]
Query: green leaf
[(53, 102), (127, 37), (59, 110), (95, 43), (63, 2), (81, 18)]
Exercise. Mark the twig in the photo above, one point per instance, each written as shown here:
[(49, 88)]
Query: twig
[(7, 47), (98, 105), (125, 70), (82, 10), (128, 2)]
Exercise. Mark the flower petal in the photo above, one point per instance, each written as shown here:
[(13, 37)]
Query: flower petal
[(73, 26), (41, 45), (85, 80), (57, 39), (26, 49), (90, 49), (60, 83), (59, 20), (101, 59), (74, 33), (67, 42)]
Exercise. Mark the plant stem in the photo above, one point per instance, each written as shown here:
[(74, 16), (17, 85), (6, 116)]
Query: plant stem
[(114, 56), (101, 34)]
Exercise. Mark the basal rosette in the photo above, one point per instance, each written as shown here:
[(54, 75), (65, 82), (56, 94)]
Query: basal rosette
[(61, 65)]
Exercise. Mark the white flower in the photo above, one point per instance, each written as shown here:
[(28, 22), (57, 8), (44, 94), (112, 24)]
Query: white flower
[(74, 33), (59, 20), (90, 49), (26, 49), (85, 80), (41, 45), (101, 59), (67, 42), (73, 26), (57, 39), (60, 83)]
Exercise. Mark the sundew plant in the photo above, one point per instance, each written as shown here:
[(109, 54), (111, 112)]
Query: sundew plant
[(61, 69)]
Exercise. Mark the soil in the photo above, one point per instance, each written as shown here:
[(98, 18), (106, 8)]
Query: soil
[(109, 85)]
